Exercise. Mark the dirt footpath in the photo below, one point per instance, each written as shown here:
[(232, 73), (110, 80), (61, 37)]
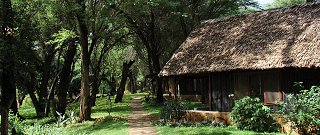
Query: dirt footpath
[(139, 121)]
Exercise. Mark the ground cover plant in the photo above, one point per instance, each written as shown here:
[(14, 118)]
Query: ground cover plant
[(302, 110)]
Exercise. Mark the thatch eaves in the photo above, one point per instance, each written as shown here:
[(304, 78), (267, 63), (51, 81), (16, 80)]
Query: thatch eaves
[(288, 37)]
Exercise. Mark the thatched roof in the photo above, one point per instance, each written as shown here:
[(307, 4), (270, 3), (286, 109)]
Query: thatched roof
[(288, 37)]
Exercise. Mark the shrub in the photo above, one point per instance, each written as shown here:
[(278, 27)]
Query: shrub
[(303, 110), (14, 122), (66, 118), (250, 114), (172, 111)]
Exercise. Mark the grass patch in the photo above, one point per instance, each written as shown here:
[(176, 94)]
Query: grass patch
[(102, 128), (153, 109), (27, 109), (102, 124)]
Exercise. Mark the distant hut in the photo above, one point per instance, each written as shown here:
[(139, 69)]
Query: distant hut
[(260, 54)]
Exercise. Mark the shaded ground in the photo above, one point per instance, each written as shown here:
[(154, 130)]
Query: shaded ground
[(139, 120)]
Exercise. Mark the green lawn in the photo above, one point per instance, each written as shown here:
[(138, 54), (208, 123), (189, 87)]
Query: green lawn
[(103, 124)]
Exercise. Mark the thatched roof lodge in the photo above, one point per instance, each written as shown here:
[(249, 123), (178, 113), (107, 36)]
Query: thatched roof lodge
[(258, 54)]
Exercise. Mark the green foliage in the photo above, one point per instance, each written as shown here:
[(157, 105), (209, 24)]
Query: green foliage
[(42, 130), (14, 122), (303, 110), (172, 110), (67, 118), (284, 3), (23, 128), (61, 37), (250, 114)]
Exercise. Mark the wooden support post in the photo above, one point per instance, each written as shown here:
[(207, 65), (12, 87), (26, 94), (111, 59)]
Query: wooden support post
[(172, 87), (210, 92)]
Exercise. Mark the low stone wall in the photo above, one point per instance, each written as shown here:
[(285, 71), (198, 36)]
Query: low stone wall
[(198, 115), (285, 127)]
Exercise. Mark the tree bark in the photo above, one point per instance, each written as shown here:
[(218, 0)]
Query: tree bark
[(125, 69), (65, 78), (132, 82), (46, 69), (85, 108), (154, 45), (159, 89), (31, 90), (113, 84), (95, 87), (8, 87)]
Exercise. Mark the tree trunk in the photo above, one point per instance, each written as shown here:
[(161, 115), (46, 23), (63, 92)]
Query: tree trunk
[(85, 108), (132, 82), (8, 87), (50, 96), (155, 56), (113, 84), (31, 90), (46, 69), (65, 78), (156, 62), (95, 87), (151, 42), (125, 69)]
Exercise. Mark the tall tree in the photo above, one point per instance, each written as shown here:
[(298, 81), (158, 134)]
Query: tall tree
[(85, 107), (65, 77), (155, 25), (8, 87), (125, 74), (147, 33)]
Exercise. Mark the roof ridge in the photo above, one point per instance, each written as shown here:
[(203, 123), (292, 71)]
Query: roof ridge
[(282, 9)]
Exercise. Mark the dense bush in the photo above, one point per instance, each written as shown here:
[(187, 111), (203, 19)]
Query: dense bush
[(303, 110), (250, 114)]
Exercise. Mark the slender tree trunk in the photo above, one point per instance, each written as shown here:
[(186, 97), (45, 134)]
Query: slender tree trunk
[(65, 78), (31, 90), (51, 96), (125, 69), (46, 69), (85, 108), (20, 100), (8, 86)]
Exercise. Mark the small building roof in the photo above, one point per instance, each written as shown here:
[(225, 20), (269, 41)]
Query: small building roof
[(287, 37)]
